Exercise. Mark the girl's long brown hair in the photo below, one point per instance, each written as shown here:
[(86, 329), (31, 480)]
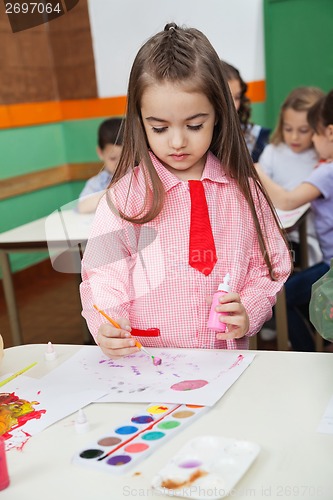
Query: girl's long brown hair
[(185, 56)]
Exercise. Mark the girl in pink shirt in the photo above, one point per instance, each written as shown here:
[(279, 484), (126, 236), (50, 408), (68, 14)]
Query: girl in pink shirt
[(150, 261)]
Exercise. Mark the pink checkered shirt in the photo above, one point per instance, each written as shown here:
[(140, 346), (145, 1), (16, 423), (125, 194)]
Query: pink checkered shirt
[(141, 271)]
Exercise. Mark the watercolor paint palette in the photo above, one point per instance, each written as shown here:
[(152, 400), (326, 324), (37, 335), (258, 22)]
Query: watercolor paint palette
[(207, 466), (129, 443)]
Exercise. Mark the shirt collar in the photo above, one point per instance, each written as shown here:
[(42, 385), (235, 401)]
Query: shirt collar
[(213, 171)]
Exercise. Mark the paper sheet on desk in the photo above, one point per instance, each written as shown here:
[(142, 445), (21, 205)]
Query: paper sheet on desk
[(28, 406), (185, 376), (326, 424), (288, 218)]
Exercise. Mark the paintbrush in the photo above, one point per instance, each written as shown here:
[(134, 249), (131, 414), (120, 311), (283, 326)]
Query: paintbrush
[(3, 382), (157, 361)]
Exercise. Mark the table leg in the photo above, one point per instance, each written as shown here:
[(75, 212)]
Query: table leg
[(303, 244), (281, 321), (10, 298), (87, 337)]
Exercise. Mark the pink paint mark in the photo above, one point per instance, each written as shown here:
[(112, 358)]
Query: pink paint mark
[(237, 362), (189, 385), (22, 445)]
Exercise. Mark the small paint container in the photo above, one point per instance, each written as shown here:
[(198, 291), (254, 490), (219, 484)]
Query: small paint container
[(206, 467), (4, 477), (50, 354)]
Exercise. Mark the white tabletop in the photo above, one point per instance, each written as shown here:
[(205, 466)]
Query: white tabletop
[(63, 225), (277, 402), (67, 225)]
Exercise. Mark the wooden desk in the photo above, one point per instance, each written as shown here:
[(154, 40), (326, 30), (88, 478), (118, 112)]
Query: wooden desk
[(277, 402)]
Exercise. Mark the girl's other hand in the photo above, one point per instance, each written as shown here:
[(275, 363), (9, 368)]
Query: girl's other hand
[(234, 316), (116, 342)]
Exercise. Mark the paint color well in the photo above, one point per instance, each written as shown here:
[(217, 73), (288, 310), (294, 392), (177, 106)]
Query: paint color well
[(109, 441), (118, 460), (157, 409), (126, 429), (189, 464), (170, 424), (136, 447), (153, 436), (91, 453), (183, 414), (142, 419)]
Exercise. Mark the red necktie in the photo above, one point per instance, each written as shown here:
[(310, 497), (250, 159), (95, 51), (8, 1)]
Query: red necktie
[(202, 252)]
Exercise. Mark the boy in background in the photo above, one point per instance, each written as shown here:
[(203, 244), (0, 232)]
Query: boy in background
[(110, 144)]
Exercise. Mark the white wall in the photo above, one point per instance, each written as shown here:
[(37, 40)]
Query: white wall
[(120, 27)]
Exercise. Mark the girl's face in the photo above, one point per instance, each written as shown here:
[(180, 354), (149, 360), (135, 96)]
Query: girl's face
[(236, 92), (297, 133), (323, 143), (179, 126)]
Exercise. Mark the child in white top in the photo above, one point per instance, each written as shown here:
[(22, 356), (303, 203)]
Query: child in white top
[(317, 189), (290, 157), (182, 132)]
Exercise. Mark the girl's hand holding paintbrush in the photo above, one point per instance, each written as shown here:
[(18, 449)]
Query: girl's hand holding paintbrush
[(115, 341), (119, 330)]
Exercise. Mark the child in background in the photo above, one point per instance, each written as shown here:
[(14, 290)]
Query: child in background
[(317, 189), (147, 263), (256, 137), (291, 157), (110, 143)]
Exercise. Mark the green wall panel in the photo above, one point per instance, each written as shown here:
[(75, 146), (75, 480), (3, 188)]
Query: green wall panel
[(298, 48), (30, 149), (22, 209), (259, 114), (81, 139)]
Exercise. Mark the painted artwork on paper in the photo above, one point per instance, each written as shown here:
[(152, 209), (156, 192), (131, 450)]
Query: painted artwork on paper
[(185, 376), (29, 406), (15, 413)]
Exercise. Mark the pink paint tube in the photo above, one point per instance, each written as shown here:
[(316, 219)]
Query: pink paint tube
[(214, 322), (4, 477)]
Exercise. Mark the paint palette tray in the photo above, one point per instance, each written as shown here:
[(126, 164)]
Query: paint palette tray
[(207, 466), (130, 442)]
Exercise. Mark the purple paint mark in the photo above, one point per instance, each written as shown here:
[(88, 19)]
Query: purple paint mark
[(136, 370), (110, 363), (237, 362)]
